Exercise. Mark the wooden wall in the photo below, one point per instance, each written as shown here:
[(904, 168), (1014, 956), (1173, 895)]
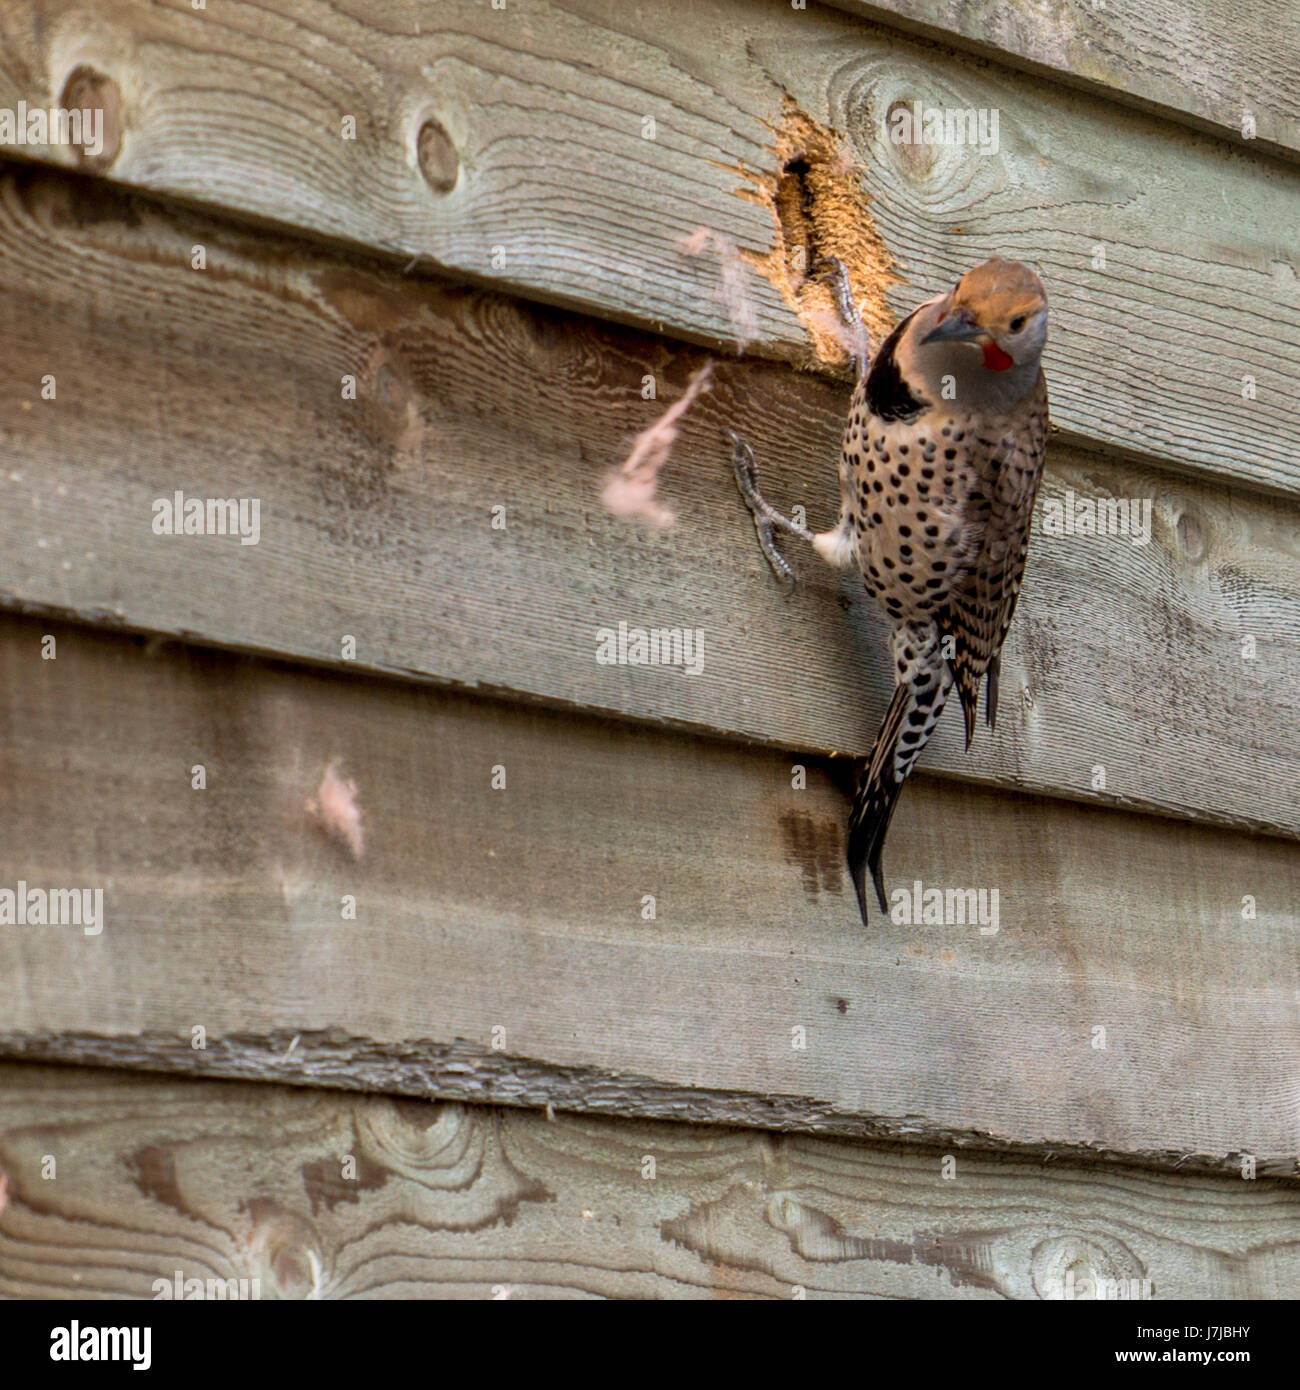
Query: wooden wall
[(231, 1181), (497, 261)]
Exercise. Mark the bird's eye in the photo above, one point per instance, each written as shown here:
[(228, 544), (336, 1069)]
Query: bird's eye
[(1017, 323)]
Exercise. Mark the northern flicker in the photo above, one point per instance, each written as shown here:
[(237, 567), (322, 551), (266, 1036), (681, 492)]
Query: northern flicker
[(940, 466)]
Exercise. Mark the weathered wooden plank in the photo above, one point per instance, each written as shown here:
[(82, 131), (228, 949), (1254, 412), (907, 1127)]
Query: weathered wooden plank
[(634, 922), (1210, 63), (376, 517), (1171, 258), (224, 1181)]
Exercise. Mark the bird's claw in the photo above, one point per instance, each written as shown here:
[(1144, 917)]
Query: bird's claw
[(836, 275), (745, 471)]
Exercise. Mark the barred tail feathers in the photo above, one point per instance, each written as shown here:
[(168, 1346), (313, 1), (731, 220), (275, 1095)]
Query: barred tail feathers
[(924, 681)]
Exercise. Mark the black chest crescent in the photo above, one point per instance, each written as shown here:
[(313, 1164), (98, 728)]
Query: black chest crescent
[(888, 396)]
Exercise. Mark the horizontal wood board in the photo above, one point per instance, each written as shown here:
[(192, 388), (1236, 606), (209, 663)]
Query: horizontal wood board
[(1210, 63), (219, 1181), (1172, 665), (1170, 257), (635, 922)]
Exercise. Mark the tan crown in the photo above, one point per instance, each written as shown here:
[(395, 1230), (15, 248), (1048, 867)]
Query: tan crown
[(999, 291)]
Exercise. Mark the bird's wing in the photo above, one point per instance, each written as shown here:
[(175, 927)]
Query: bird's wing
[(982, 598)]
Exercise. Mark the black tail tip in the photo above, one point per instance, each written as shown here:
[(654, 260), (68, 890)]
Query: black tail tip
[(863, 856), (970, 712)]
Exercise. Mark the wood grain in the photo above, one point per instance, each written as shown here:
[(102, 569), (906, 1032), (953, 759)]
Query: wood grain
[(648, 919), (1173, 665), (228, 1181), (1208, 63), (558, 195)]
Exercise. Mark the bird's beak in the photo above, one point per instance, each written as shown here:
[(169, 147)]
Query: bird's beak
[(956, 326)]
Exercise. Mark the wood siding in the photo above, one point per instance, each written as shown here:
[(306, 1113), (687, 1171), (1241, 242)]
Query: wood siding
[(421, 345), (523, 908), (218, 1181), (558, 196)]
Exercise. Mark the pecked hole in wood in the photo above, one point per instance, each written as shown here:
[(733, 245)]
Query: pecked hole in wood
[(820, 209)]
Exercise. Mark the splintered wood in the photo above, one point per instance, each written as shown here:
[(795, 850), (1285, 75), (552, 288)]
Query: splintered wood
[(822, 213)]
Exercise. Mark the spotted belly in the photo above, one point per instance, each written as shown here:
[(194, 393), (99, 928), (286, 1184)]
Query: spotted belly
[(912, 492)]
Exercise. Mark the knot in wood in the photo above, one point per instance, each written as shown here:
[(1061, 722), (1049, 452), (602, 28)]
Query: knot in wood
[(88, 90), (437, 157)]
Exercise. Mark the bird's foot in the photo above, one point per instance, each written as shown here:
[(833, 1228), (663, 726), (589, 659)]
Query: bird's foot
[(767, 519), (836, 274)]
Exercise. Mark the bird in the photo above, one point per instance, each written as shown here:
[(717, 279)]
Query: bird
[(942, 456)]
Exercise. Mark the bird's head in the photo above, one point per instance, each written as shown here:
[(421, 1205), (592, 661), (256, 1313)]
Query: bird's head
[(998, 309)]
